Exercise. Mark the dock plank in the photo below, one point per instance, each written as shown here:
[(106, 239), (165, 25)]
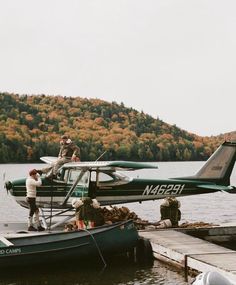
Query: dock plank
[(223, 260)]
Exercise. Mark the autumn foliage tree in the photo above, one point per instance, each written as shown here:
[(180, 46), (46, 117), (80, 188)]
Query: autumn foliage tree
[(31, 126)]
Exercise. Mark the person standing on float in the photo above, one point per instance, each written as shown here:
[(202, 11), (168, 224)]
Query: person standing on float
[(32, 182)]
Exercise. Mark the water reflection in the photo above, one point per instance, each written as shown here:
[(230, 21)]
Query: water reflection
[(119, 273)]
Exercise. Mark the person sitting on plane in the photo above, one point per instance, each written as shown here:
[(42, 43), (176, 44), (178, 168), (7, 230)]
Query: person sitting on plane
[(33, 181), (68, 152)]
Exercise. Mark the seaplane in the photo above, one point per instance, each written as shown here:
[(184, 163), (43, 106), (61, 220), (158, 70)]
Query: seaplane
[(108, 182)]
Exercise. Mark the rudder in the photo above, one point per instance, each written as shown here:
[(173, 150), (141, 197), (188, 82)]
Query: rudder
[(219, 166)]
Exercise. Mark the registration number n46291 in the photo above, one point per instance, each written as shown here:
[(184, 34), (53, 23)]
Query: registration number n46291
[(164, 189)]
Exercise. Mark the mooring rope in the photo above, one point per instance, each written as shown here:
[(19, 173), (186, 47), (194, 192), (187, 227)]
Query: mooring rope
[(99, 251)]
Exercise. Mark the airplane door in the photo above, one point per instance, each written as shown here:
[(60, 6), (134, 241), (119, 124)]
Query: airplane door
[(81, 189)]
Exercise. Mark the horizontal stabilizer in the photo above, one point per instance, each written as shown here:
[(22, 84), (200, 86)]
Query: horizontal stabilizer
[(232, 190), (228, 189)]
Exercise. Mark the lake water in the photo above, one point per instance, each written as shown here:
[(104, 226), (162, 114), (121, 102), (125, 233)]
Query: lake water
[(215, 208)]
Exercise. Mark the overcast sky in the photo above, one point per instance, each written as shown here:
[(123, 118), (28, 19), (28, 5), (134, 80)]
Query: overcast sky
[(172, 59)]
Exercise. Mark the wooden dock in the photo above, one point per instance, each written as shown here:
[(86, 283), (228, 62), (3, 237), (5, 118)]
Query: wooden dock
[(181, 249)]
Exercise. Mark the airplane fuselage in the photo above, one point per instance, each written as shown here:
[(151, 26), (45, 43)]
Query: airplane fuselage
[(136, 190)]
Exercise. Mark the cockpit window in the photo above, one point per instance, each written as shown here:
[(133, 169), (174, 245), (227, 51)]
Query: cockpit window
[(100, 178), (112, 178), (73, 175), (104, 177)]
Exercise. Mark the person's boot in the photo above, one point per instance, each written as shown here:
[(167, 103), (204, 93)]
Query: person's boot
[(37, 221), (51, 177), (31, 228), (40, 228)]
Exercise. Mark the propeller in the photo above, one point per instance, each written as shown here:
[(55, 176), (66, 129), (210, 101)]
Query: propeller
[(7, 184)]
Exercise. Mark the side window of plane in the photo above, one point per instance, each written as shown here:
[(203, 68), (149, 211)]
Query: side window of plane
[(65, 175), (62, 174), (102, 177), (105, 178), (112, 179), (73, 175)]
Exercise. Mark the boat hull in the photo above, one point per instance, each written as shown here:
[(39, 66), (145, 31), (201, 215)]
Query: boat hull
[(80, 246)]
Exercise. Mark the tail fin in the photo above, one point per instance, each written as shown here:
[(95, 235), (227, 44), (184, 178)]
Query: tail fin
[(219, 166)]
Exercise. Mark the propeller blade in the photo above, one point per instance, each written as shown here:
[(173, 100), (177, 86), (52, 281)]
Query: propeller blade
[(8, 186)]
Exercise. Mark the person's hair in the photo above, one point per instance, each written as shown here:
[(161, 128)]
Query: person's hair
[(64, 137), (33, 172)]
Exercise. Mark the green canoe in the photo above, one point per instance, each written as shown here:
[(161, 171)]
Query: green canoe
[(45, 248)]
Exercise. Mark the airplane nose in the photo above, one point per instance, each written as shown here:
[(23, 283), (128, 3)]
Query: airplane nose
[(8, 185)]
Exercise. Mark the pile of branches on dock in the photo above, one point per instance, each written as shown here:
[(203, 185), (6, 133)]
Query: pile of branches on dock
[(197, 225), (114, 214)]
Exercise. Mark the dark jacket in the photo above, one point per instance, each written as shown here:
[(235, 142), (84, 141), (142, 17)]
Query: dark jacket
[(69, 149), (87, 212)]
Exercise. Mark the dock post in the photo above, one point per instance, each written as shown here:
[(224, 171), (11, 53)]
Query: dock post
[(186, 267)]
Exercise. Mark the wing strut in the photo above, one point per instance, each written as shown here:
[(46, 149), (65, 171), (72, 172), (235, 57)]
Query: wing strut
[(70, 192)]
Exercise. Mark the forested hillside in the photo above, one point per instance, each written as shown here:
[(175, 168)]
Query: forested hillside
[(31, 126)]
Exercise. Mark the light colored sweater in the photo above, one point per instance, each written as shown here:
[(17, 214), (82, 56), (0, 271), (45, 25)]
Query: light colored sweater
[(31, 185)]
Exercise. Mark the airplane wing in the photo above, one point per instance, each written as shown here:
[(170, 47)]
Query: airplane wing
[(49, 159), (110, 165)]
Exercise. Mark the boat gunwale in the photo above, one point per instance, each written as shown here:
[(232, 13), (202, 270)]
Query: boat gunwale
[(43, 239)]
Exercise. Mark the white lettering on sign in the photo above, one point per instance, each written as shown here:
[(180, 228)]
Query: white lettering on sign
[(10, 251), (164, 189)]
